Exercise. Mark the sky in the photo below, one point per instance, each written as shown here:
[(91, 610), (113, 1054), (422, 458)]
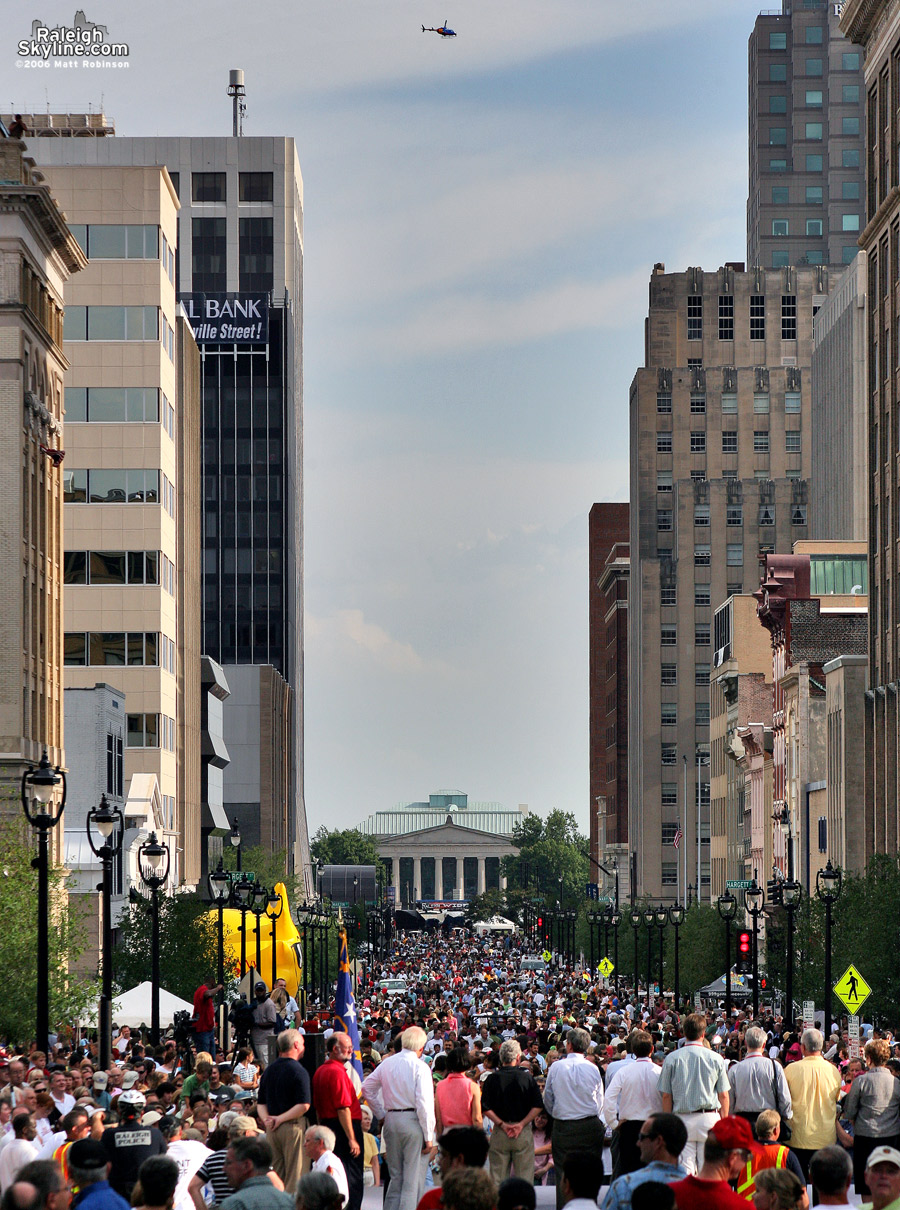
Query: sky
[(482, 214)]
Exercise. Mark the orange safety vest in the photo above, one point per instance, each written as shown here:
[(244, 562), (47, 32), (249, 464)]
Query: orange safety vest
[(61, 1155), (763, 1157)]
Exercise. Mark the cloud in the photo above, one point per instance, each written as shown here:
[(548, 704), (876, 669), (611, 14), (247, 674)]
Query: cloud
[(347, 637)]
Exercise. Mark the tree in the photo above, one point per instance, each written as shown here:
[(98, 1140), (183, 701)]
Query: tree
[(71, 996), (701, 949), (267, 866), (552, 861), (347, 846), (188, 944), (484, 906)]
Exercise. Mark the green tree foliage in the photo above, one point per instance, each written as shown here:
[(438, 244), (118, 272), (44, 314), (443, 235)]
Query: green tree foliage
[(701, 949), (552, 861), (269, 867), (71, 996), (482, 907), (188, 944), (347, 846)]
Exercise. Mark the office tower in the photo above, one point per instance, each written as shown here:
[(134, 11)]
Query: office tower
[(871, 23), (608, 571), (37, 255), (720, 455), (239, 273), (806, 138)]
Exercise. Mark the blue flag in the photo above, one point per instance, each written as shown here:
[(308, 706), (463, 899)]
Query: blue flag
[(345, 1005)]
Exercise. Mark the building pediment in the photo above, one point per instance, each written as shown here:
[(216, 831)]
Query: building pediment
[(446, 836)]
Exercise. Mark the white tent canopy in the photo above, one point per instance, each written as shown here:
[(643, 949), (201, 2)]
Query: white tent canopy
[(496, 924), (132, 1008)]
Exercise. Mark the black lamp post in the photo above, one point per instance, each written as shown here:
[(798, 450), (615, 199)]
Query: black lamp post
[(615, 919), (828, 888), (274, 908), (676, 915), (153, 863), (636, 919), (259, 901), (220, 892), (234, 837), (791, 894), (38, 786), (662, 919), (594, 919), (727, 905), (754, 899), (242, 892), (649, 920), (110, 824)]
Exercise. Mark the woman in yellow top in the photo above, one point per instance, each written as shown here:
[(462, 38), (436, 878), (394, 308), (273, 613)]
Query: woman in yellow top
[(371, 1151)]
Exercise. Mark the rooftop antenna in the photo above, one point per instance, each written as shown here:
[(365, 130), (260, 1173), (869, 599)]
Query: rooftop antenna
[(237, 93)]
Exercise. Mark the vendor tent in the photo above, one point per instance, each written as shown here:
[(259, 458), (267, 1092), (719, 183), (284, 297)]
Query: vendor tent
[(132, 1008), (496, 924)]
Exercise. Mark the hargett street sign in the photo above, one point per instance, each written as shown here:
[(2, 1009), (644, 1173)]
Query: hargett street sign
[(739, 884), (241, 875)]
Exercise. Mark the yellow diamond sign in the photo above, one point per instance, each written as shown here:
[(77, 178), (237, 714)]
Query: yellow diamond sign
[(606, 968), (547, 956), (852, 990)]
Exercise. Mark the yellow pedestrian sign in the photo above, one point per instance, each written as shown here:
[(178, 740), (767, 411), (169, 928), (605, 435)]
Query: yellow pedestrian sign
[(546, 955), (606, 968), (852, 990)]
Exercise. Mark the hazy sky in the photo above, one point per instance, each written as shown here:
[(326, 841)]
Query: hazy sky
[(482, 214)]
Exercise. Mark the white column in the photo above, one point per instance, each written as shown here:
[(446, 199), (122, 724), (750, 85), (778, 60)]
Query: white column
[(454, 886), (438, 876), (417, 877), (480, 884)]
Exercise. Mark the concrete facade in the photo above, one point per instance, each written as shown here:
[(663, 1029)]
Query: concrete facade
[(845, 700), (720, 460), (838, 490), (451, 862), (37, 256), (806, 138), (608, 572)]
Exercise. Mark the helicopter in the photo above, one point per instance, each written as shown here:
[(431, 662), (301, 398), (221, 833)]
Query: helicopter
[(444, 30)]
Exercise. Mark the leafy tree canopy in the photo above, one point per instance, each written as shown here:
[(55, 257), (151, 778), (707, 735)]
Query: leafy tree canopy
[(347, 846), (552, 861), (188, 944)]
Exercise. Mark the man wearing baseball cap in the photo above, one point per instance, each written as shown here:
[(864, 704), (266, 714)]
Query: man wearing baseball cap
[(729, 1144), (883, 1178)]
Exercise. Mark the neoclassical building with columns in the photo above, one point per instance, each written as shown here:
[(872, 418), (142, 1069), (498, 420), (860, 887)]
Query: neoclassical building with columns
[(446, 849)]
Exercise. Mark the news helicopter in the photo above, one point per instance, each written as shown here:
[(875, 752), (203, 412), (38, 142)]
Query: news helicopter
[(444, 30)]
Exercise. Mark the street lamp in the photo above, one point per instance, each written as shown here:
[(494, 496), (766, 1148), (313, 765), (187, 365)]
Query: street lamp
[(38, 787), (153, 863), (754, 900), (258, 902), (234, 837), (220, 892), (662, 919), (828, 888), (242, 891), (615, 919), (594, 920), (274, 908), (727, 905), (791, 893), (110, 824), (636, 919), (676, 915), (649, 920)]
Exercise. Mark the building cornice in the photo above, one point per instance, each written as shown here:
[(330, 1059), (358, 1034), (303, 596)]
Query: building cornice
[(882, 215), (859, 18)]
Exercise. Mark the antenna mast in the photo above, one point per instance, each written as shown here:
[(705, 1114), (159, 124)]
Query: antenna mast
[(237, 92)]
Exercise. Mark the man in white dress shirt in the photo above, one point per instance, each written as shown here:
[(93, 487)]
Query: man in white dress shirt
[(401, 1092), (573, 1096), (631, 1097)]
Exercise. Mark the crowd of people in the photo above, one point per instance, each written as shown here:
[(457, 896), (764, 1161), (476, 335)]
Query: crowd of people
[(480, 1079)]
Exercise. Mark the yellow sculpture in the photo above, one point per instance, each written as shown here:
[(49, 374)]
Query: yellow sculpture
[(288, 948)]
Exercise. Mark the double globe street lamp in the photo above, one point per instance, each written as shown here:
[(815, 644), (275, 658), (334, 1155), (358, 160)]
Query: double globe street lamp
[(219, 881), (109, 823), (662, 919), (676, 915), (754, 901), (828, 888), (153, 864), (727, 905)]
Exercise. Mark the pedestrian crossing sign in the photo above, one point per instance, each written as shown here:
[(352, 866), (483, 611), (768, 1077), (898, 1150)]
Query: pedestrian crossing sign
[(606, 968), (852, 990), (546, 955)]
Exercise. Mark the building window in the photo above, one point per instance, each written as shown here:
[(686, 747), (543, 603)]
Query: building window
[(663, 443), (814, 131), (116, 405), (814, 98), (757, 320), (698, 405), (668, 674), (761, 402), (777, 41), (729, 473), (850, 62), (255, 254), (698, 442), (669, 754), (668, 714), (669, 830), (780, 195), (792, 401), (701, 515), (668, 595), (208, 254), (850, 191), (107, 241), (777, 73), (778, 165), (767, 514), (694, 317), (849, 222), (815, 256), (669, 796), (255, 186), (798, 514), (669, 873), (777, 136), (142, 731), (701, 596), (208, 186), (814, 67), (729, 442), (734, 514), (780, 226), (735, 589), (701, 555), (701, 635), (698, 476), (814, 194), (777, 104), (664, 519), (664, 402), (813, 226), (729, 402), (121, 650), (132, 486), (814, 35), (701, 674), (850, 94), (761, 442), (664, 481), (814, 163), (848, 254), (112, 567), (701, 714), (850, 157), (850, 126), (789, 317), (726, 317), (781, 260), (734, 554), (111, 323), (668, 636), (792, 443)]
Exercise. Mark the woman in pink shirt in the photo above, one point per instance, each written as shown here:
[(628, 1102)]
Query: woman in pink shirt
[(457, 1099)]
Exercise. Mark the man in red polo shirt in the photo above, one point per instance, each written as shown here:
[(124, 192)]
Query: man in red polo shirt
[(729, 1145), (337, 1107)]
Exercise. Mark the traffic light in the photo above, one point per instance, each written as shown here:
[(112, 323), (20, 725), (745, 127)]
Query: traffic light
[(763, 983), (744, 953), (773, 887)]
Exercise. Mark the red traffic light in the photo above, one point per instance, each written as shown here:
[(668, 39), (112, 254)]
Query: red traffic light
[(763, 983), (743, 943), (540, 921), (744, 951)]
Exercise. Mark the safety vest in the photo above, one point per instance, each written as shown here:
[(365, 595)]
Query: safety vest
[(61, 1156), (763, 1157)]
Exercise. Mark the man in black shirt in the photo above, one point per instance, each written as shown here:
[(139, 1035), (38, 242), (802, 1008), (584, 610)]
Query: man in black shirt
[(512, 1100), (130, 1143), (284, 1100)]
